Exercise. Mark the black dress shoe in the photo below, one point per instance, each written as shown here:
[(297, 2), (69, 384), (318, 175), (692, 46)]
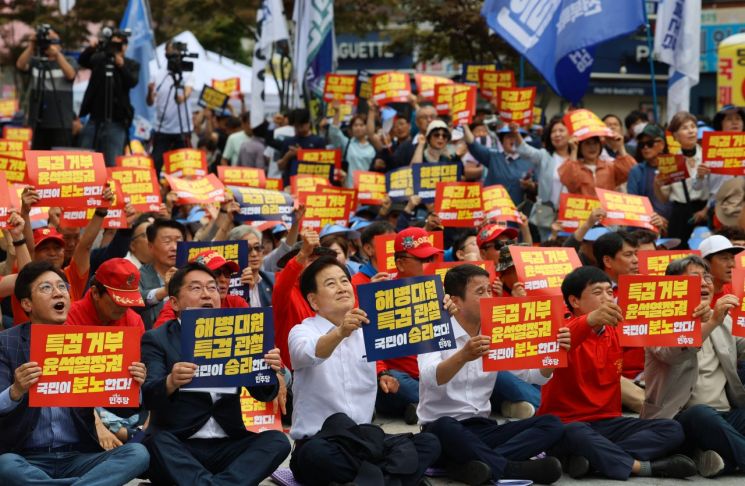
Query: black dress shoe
[(410, 416), (541, 471), (677, 466), (577, 467), (472, 472)]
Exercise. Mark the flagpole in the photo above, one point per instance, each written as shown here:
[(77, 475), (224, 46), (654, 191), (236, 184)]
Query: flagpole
[(522, 70), (650, 46)]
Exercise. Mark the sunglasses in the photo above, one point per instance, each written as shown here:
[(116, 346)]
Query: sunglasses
[(648, 143), (440, 134)]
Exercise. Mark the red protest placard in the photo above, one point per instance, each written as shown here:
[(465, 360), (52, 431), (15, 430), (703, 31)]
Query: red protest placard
[(738, 313), (585, 124), (202, 191), (320, 156), (673, 145), (340, 87), (523, 332), (13, 168), (5, 201), (18, 133), (425, 85), (542, 270), (458, 204), (8, 108), (385, 250), (323, 209), (463, 104), (13, 148), (135, 162), (442, 268), (230, 86), (242, 176), (351, 192), (84, 366), (672, 168), (724, 152), (574, 209), (67, 179), (259, 416), (391, 87), (116, 218), (516, 105), (346, 110), (306, 182), (185, 162), (370, 187), (625, 209), (655, 262), (472, 72), (273, 184), (498, 204), (491, 81), (140, 187), (443, 98), (658, 310)]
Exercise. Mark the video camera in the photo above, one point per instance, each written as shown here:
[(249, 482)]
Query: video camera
[(43, 41), (112, 47), (176, 62)]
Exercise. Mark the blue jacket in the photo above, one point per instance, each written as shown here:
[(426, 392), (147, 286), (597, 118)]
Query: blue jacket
[(501, 171), (641, 183)]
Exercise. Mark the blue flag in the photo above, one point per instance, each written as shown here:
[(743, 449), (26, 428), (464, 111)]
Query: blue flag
[(559, 36), (141, 49)]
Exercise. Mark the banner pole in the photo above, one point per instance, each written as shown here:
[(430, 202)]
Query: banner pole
[(650, 46), (522, 70)]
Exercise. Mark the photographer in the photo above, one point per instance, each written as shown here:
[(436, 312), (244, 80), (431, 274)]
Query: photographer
[(170, 92), (107, 100), (50, 111)]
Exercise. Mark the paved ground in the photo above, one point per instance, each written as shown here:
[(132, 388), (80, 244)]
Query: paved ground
[(398, 426)]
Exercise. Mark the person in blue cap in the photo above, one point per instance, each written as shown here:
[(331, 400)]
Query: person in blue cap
[(730, 118), (583, 238), (340, 239)]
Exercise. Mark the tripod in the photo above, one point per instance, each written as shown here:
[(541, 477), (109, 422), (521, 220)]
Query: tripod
[(183, 119), (41, 96)]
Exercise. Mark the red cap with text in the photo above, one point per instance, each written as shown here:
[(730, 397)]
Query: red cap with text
[(122, 280), (492, 232), (415, 242), (213, 260)]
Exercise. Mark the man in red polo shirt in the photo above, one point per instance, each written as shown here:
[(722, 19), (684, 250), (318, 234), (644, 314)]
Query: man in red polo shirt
[(223, 270), (400, 397), (586, 395)]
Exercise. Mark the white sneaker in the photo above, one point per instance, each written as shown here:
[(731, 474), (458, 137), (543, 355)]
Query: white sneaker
[(708, 463), (518, 410)]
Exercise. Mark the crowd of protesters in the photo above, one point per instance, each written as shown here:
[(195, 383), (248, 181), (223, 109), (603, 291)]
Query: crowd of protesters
[(614, 412)]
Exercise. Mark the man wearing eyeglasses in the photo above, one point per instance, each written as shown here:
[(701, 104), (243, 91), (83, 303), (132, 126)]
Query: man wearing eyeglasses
[(44, 444), (139, 254), (198, 436), (398, 379)]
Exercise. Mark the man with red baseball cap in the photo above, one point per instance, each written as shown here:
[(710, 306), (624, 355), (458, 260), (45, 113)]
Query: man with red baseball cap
[(223, 270), (398, 379)]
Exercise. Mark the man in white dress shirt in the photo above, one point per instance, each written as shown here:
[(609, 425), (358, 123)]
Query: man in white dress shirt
[(454, 396), (334, 391)]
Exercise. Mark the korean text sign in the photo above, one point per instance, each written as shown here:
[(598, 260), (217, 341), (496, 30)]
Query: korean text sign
[(212, 98), (8, 108), (135, 162), (259, 416), (262, 204), (201, 191), (585, 124), (6, 196), (232, 251), (498, 204), (391, 87), (67, 179), (658, 310), (472, 72), (516, 105), (491, 81), (13, 148), (523, 332), (442, 268), (426, 176), (79, 218), (306, 182), (738, 313), (425, 85), (459, 204), (625, 209), (140, 187), (542, 270), (655, 262), (406, 318), (385, 249), (443, 98), (230, 86), (84, 366), (340, 87), (724, 153), (463, 104), (242, 176), (371, 188), (315, 169), (323, 209), (18, 133), (574, 209), (321, 156), (228, 346), (185, 162), (13, 168), (400, 184), (672, 168)]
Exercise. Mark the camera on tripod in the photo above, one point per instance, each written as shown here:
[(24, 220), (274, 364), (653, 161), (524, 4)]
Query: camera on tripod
[(176, 58), (43, 39), (109, 46)]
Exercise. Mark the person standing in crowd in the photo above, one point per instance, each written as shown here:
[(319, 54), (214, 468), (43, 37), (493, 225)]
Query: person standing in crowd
[(650, 143), (369, 272), (331, 418), (198, 437), (699, 387), (173, 121), (49, 444), (50, 112), (586, 395), (432, 147), (303, 139), (357, 153), (404, 153), (106, 101)]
